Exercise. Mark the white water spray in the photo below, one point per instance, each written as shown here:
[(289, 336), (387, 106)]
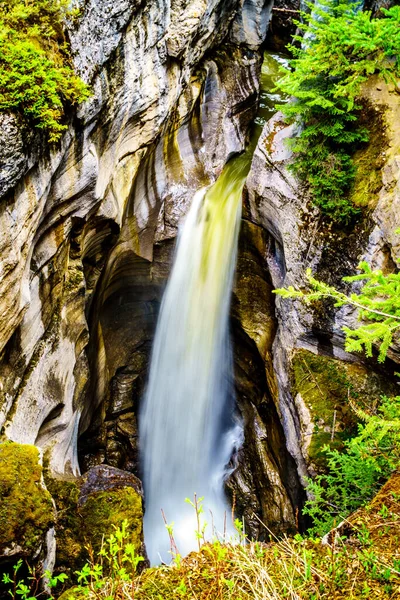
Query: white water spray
[(187, 426)]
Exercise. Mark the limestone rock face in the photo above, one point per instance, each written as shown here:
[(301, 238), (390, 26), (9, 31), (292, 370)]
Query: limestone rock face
[(314, 374), (264, 482), (85, 225), (87, 232)]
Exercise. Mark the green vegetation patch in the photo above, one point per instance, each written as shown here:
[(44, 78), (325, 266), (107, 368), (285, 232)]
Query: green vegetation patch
[(26, 509), (37, 80), (103, 511), (369, 159), (328, 387), (361, 562), (71, 553), (344, 46), (80, 530)]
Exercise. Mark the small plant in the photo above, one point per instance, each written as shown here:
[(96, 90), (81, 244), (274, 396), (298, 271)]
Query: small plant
[(34, 585), (199, 510), (113, 574)]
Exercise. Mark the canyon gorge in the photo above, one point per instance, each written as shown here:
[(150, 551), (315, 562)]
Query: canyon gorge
[(88, 228)]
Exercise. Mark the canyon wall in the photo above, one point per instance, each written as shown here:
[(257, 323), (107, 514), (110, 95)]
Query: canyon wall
[(314, 378), (87, 238)]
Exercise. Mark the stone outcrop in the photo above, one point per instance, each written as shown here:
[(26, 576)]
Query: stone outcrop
[(314, 376), (89, 508), (87, 231)]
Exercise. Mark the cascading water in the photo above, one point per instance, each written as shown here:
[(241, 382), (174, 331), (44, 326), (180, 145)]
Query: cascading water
[(187, 426)]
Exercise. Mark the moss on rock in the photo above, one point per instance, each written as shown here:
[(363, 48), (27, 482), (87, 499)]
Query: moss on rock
[(370, 159), (327, 387), (26, 508), (73, 594), (103, 511), (86, 515), (71, 553)]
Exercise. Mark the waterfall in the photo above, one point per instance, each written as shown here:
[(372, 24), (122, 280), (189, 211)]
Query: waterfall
[(187, 426)]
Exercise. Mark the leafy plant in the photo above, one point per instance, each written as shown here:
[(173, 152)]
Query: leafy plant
[(378, 302), (355, 474), (342, 47), (30, 589), (118, 562), (36, 76)]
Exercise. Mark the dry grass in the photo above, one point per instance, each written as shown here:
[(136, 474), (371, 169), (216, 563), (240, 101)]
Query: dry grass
[(359, 560)]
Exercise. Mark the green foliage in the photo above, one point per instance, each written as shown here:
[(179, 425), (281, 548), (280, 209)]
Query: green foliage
[(118, 562), (30, 589), (378, 302), (355, 475), (369, 458), (300, 568), (36, 78), (342, 48)]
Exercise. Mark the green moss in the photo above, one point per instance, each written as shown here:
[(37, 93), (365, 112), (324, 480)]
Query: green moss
[(74, 278), (71, 553), (80, 527), (369, 160), (26, 509), (328, 387), (73, 594), (103, 511)]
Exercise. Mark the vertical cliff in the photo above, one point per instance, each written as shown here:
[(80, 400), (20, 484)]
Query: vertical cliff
[(314, 377), (174, 88)]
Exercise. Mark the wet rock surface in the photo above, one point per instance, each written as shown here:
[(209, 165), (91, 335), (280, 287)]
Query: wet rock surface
[(314, 375), (102, 478)]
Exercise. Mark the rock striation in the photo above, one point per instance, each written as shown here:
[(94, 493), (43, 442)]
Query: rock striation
[(87, 233), (81, 223), (87, 230)]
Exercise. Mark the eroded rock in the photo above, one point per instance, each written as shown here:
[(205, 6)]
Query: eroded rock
[(309, 343)]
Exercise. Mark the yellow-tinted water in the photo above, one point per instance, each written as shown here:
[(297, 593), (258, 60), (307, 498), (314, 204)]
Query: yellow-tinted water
[(188, 427)]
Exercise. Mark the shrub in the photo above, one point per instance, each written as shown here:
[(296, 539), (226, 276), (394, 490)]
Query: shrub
[(355, 474), (36, 77), (342, 48), (369, 458)]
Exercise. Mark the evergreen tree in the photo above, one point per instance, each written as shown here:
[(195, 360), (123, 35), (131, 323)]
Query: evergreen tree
[(342, 48)]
